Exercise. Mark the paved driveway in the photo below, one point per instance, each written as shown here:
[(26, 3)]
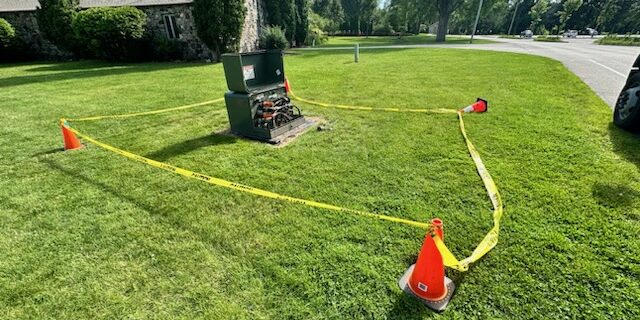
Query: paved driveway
[(603, 68)]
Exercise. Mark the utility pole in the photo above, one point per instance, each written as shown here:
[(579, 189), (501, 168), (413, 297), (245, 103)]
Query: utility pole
[(475, 25), (515, 12)]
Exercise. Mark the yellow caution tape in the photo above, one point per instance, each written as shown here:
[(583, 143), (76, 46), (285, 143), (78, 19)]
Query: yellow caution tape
[(233, 185), (491, 238), (146, 113), (450, 260)]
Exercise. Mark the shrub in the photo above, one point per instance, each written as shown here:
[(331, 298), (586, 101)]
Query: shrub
[(7, 33), (548, 39), (219, 24), (383, 29), (55, 18), (613, 39), (282, 13), (317, 27), (166, 49), (12, 48), (273, 38), (316, 36), (112, 33)]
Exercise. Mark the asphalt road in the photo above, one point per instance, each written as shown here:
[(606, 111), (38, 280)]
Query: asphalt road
[(603, 68)]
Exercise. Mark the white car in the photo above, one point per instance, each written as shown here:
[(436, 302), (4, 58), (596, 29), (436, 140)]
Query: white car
[(571, 34), (526, 34)]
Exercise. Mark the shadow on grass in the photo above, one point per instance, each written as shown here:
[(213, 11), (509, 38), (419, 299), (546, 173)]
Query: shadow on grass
[(78, 65), (625, 144), (191, 145), (612, 195), (102, 186), (83, 71)]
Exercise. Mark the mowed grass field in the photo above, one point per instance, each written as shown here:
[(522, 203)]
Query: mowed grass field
[(90, 234), (420, 39)]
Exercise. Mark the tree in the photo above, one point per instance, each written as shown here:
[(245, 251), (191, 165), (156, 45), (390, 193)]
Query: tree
[(302, 21), (219, 24), (586, 16), (445, 9), (332, 11), (54, 21), (352, 15), (283, 13), (538, 12), (322, 7), (494, 17), (632, 20), (569, 7)]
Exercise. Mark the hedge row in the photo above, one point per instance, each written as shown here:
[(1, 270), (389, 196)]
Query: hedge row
[(119, 33), (110, 33)]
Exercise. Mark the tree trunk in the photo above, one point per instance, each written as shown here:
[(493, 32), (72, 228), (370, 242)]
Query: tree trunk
[(218, 53), (443, 22)]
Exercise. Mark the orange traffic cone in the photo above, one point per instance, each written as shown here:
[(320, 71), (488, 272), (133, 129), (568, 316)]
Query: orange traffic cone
[(481, 105), (71, 142), (287, 86), (425, 279)]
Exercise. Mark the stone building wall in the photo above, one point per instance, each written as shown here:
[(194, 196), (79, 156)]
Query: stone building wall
[(26, 26), (194, 48)]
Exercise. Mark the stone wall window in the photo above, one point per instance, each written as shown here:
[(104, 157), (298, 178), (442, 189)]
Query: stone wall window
[(171, 27)]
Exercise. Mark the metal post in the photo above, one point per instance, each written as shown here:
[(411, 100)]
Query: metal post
[(515, 12), (475, 25), (357, 53)]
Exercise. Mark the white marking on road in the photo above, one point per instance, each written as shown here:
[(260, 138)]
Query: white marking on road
[(610, 69)]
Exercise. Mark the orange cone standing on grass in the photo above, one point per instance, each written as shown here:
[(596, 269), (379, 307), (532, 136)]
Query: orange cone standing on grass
[(480, 105), (425, 279), (287, 86), (71, 142)]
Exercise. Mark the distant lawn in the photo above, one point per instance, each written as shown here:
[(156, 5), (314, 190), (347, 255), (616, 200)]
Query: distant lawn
[(342, 41), (88, 234)]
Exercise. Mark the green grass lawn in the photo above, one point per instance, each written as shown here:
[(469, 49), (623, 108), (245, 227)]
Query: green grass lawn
[(345, 41), (90, 234)]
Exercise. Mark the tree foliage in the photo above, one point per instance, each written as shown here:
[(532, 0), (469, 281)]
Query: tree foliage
[(54, 21), (457, 16), (7, 33), (283, 13), (219, 24), (537, 13), (568, 8), (302, 21)]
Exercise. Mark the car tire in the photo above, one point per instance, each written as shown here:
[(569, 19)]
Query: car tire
[(626, 113)]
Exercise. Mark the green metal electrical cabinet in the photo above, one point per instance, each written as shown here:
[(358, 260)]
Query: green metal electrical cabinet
[(257, 103)]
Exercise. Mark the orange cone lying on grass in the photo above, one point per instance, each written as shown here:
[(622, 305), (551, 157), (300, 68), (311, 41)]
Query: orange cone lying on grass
[(71, 142), (425, 279), (480, 105)]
